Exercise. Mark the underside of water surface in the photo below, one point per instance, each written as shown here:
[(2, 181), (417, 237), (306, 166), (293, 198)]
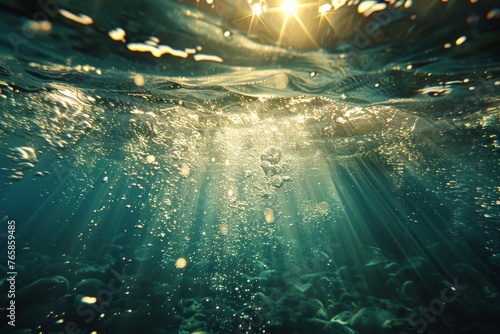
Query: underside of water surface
[(246, 166)]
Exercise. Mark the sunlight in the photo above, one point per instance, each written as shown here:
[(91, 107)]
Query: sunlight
[(289, 6), (324, 7), (257, 9)]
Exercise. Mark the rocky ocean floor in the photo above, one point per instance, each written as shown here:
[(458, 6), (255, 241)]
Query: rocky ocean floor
[(114, 293)]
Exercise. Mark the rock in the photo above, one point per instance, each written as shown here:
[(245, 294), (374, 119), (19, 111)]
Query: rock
[(346, 274), (343, 318), (393, 285), (41, 313), (326, 327), (392, 267), (89, 287), (370, 320), (135, 322), (276, 181), (414, 269), (400, 325), (271, 154), (346, 297), (191, 307), (42, 290), (337, 328), (469, 274), (192, 325), (338, 287), (319, 309), (409, 290), (268, 168), (262, 301), (271, 277), (302, 288)]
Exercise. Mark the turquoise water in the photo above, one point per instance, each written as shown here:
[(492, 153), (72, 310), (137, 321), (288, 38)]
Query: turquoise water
[(250, 167)]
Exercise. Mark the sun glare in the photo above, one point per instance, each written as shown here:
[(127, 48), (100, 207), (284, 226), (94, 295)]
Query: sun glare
[(257, 9), (289, 6), (325, 7)]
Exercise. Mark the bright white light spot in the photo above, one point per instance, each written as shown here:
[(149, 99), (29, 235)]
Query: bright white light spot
[(117, 34), (139, 80), (269, 215), (80, 18), (180, 263), (325, 8), (150, 159), (156, 51), (185, 170), (203, 57), (288, 6), (224, 229), (257, 9), (460, 40), (367, 8), (40, 27), (324, 208), (88, 300)]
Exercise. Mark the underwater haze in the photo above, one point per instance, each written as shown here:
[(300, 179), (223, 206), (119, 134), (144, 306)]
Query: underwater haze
[(250, 166)]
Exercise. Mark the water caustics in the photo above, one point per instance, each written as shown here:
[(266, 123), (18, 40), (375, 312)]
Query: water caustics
[(251, 166)]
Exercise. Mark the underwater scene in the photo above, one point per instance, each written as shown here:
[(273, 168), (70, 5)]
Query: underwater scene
[(250, 166)]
